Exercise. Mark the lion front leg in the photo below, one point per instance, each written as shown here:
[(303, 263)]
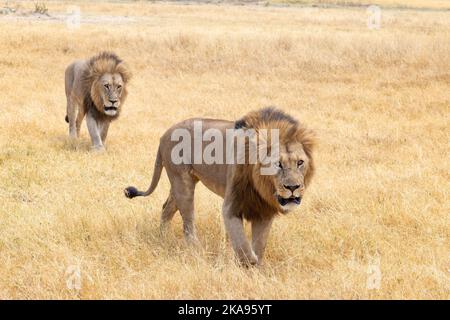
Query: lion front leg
[(260, 234), (94, 132), (104, 130), (235, 229)]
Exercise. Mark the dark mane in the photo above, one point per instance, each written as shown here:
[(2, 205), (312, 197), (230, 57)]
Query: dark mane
[(264, 115), (270, 114), (253, 193), (105, 55)]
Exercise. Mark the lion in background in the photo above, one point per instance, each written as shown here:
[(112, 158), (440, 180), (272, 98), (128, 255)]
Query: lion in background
[(95, 88), (246, 192)]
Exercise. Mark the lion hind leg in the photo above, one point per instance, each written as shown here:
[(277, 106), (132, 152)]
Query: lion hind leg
[(71, 116), (80, 117), (183, 187), (168, 212)]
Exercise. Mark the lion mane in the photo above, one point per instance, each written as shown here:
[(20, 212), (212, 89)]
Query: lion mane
[(253, 192), (247, 193), (104, 62)]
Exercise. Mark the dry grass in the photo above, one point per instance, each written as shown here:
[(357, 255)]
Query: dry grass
[(416, 4), (379, 101)]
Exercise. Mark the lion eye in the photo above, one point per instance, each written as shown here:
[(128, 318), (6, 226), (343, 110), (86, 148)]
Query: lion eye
[(107, 86), (300, 163), (119, 87)]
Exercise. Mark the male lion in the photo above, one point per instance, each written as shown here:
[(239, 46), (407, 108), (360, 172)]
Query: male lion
[(96, 88), (248, 194)]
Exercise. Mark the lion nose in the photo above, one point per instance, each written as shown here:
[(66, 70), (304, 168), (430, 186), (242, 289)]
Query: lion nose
[(113, 101), (292, 188)]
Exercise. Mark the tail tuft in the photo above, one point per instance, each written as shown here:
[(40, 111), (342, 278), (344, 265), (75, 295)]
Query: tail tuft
[(131, 192), (67, 119)]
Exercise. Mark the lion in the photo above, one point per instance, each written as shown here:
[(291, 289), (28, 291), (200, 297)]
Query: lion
[(248, 194), (95, 88)]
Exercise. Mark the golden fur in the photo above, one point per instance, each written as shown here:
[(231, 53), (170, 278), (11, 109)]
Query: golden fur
[(247, 193), (96, 88), (105, 62), (250, 188)]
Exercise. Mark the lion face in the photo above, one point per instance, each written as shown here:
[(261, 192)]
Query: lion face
[(289, 180), (105, 83), (110, 88), (292, 172)]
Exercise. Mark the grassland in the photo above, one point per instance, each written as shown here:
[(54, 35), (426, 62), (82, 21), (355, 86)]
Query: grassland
[(379, 101), (398, 4)]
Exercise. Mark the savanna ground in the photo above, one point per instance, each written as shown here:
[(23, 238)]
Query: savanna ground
[(374, 223)]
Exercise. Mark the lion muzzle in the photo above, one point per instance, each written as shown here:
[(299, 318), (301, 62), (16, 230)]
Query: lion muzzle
[(291, 200)]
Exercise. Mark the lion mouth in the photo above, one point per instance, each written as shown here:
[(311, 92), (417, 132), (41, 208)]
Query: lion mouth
[(112, 108), (284, 201)]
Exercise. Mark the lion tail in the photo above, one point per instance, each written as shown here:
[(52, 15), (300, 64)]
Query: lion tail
[(131, 192)]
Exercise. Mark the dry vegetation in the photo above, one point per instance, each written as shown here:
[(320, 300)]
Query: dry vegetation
[(378, 99), (416, 4)]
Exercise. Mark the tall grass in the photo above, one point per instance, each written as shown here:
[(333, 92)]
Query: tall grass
[(378, 99)]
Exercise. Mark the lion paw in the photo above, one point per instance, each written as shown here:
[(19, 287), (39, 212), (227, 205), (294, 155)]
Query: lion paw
[(249, 260), (98, 149)]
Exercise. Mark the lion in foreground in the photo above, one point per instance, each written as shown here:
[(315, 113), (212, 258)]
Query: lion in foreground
[(96, 88), (247, 193)]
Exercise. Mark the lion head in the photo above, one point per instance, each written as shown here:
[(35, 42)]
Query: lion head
[(105, 82), (292, 169)]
